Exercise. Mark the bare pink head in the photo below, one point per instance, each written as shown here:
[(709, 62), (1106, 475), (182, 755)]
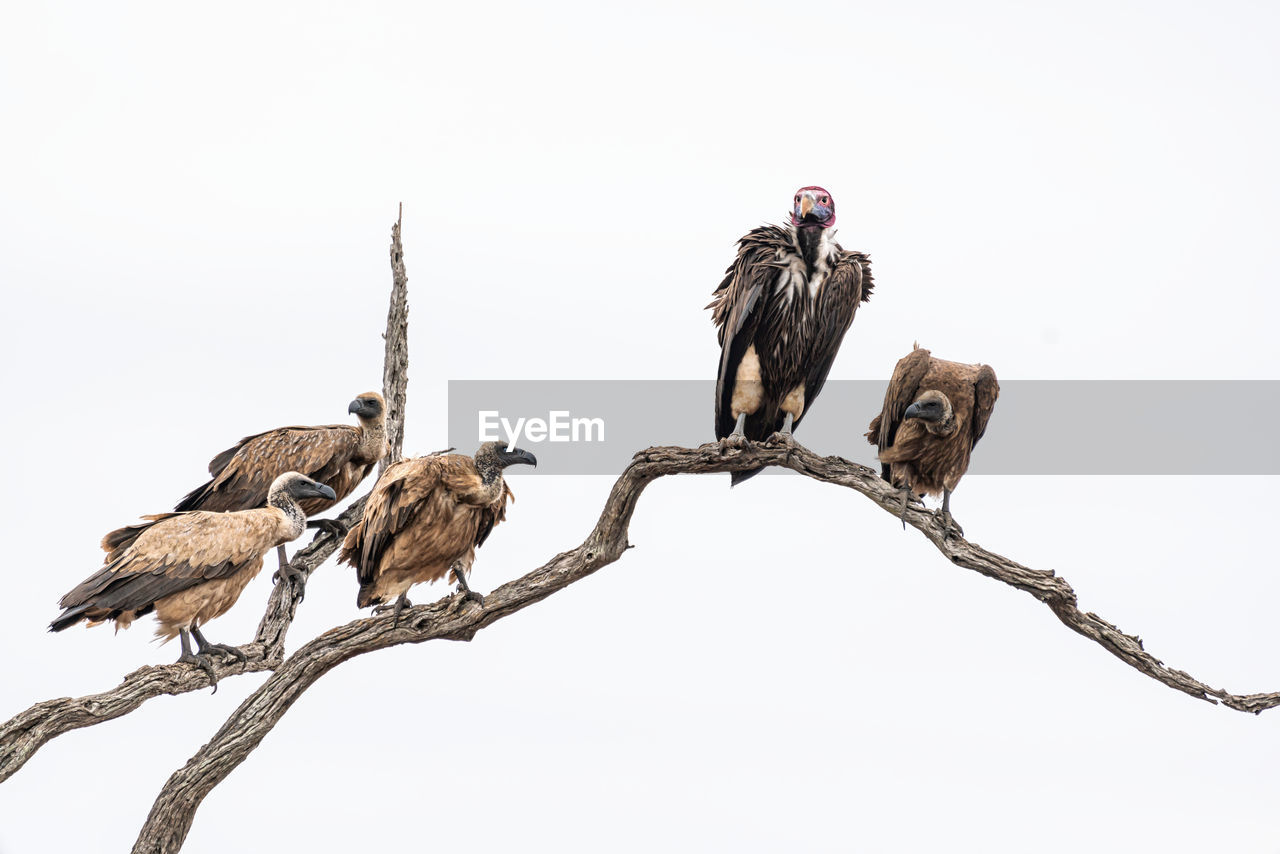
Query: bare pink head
[(814, 208)]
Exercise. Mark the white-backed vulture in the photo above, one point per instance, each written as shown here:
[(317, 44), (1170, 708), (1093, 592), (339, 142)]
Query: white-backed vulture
[(781, 312), (189, 567), (425, 517), (934, 412), (337, 455)]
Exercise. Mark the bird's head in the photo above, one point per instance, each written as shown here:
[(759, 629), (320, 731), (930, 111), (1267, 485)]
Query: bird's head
[(368, 407), (934, 409), (814, 208), (298, 486), (494, 457)]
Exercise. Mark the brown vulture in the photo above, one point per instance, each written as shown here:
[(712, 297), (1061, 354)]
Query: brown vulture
[(934, 412), (781, 311), (337, 455), (189, 567), (425, 517)]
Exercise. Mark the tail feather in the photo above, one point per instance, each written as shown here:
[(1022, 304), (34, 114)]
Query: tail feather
[(738, 477), (68, 618)]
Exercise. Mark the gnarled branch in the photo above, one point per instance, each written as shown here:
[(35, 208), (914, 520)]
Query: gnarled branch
[(28, 731), (454, 618)]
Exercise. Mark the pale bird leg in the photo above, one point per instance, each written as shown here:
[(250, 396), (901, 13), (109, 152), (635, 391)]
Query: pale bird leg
[(738, 438), (783, 436), (205, 647), (200, 661), (286, 572)]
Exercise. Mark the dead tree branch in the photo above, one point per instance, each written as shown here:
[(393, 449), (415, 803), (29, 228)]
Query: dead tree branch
[(395, 364), (454, 618), (27, 732)]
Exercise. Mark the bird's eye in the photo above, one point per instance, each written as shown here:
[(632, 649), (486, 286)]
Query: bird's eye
[(824, 200), (797, 200)]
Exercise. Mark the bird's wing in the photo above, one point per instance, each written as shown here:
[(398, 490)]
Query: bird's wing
[(242, 474), (902, 391), (848, 284), (494, 513), (734, 310), (174, 552), (985, 392), (397, 499)]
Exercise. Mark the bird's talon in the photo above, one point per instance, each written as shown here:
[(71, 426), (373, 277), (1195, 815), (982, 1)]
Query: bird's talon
[(734, 440), (201, 661)]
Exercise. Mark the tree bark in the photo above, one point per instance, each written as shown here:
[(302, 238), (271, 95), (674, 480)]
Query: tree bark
[(454, 618)]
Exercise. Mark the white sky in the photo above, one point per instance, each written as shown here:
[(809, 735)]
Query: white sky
[(193, 233)]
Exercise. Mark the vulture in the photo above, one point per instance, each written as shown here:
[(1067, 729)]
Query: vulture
[(934, 412), (189, 567), (424, 518), (781, 312), (337, 455)]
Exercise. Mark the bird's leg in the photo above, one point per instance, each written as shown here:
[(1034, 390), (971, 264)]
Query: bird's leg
[(395, 609), (783, 436), (287, 572), (907, 495), (332, 527), (949, 524), (200, 661), (738, 438), (205, 647), (467, 593)]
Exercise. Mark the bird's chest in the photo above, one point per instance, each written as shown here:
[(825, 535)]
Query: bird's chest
[(789, 323)]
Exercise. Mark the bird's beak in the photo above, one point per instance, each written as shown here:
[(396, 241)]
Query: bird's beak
[(517, 457), (356, 406), (913, 411), (806, 205), (324, 491)]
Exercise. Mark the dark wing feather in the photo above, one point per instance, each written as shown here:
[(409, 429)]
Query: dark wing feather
[(392, 505), (846, 286), (169, 554), (985, 392), (242, 474), (752, 275), (493, 514), (903, 389)]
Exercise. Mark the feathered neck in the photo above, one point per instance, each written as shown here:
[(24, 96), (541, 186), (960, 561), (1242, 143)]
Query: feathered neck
[(812, 242), (280, 499)]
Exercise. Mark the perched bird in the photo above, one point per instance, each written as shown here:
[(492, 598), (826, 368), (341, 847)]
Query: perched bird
[(189, 567), (337, 455), (934, 412), (781, 311), (425, 517)]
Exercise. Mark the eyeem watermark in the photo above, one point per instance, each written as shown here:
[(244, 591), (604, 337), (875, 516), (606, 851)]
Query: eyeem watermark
[(558, 426)]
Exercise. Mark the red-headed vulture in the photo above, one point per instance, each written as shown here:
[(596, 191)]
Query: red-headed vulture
[(934, 412), (425, 517), (337, 455), (781, 313), (189, 567)]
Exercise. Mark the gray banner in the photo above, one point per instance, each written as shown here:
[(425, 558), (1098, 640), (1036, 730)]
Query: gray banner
[(1039, 426)]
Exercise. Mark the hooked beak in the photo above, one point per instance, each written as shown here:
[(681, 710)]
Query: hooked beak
[(517, 456), (324, 491), (913, 411), (806, 205), (357, 406)]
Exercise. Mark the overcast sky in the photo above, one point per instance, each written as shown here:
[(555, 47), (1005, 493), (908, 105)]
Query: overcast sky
[(194, 224)]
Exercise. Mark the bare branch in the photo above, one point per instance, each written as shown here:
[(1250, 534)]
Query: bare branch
[(395, 364), (454, 618), (28, 731)]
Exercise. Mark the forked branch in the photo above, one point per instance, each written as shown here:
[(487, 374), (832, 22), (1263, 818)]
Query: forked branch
[(454, 618)]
